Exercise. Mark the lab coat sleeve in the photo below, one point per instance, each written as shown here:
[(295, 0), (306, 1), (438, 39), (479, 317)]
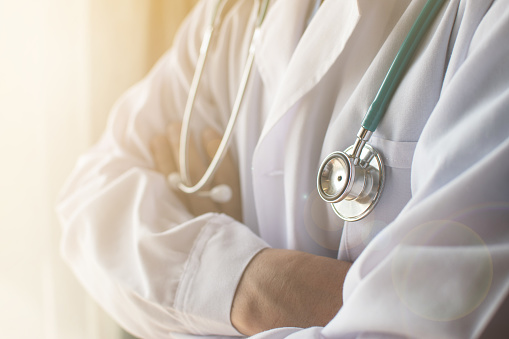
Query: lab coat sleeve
[(441, 269), (137, 250)]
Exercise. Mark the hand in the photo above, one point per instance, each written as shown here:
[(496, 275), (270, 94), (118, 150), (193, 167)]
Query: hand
[(165, 150), (284, 288)]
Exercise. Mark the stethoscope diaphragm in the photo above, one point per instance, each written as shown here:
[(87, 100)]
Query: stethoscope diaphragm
[(352, 186)]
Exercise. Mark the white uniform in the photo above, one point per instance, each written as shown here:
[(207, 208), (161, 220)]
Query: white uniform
[(431, 261)]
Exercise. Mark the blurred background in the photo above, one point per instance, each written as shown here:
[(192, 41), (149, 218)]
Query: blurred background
[(62, 65)]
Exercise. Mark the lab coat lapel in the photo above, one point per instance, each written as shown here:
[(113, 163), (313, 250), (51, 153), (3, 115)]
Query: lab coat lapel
[(293, 61), (328, 38), (280, 35)]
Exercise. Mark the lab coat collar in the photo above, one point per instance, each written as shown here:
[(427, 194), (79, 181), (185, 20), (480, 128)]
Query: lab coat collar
[(298, 57)]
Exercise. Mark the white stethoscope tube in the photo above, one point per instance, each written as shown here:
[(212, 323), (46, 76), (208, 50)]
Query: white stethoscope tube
[(182, 181)]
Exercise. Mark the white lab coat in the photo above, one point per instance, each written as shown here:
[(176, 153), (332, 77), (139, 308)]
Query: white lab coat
[(431, 261)]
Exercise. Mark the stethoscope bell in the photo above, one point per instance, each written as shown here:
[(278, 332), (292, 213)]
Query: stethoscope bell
[(352, 186)]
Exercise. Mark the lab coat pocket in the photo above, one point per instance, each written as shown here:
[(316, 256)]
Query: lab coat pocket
[(395, 154), (397, 158)]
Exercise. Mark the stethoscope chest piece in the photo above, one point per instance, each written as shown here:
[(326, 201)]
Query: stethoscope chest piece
[(352, 185), (352, 181)]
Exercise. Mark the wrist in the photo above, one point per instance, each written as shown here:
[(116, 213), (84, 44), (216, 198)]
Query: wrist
[(282, 288)]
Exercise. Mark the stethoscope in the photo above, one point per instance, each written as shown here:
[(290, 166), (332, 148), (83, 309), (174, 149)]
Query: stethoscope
[(352, 181), (182, 181)]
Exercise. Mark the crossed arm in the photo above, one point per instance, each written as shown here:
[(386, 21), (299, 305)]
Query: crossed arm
[(279, 288)]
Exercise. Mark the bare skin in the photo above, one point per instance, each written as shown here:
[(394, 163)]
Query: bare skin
[(284, 288), (279, 288)]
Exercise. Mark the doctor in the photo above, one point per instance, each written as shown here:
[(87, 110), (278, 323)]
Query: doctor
[(430, 261)]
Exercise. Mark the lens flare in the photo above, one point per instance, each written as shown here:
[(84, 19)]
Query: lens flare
[(442, 270)]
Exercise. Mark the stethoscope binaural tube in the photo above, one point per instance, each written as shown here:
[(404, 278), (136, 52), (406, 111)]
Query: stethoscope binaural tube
[(182, 181), (352, 181)]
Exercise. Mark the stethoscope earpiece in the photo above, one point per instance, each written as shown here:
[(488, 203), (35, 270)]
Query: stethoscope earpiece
[(220, 193), (174, 180)]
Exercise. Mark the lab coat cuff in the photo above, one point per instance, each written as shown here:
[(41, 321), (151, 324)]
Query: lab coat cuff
[(220, 254)]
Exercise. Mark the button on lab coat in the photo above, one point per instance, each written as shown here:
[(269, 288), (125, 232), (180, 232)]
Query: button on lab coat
[(430, 261)]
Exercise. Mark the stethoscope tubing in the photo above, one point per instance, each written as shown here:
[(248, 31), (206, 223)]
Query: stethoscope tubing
[(400, 63), (185, 183), (202, 58), (330, 181)]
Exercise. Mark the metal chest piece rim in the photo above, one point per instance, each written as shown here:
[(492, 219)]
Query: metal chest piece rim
[(352, 186)]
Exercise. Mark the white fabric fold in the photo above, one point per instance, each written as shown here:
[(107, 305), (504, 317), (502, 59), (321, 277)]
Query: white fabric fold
[(219, 256), (159, 270)]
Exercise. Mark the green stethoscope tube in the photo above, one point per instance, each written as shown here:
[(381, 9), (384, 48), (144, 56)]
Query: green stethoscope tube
[(352, 181), (400, 63)]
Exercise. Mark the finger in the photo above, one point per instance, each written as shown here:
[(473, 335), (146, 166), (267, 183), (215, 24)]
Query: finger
[(198, 205), (227, 174), (161, 152)]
